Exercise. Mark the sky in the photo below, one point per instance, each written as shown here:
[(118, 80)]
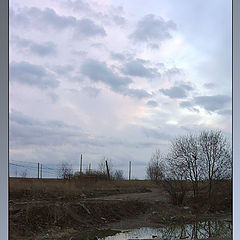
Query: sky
[(116, 79)]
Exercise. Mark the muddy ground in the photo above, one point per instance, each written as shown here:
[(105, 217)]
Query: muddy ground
[(61, 218)]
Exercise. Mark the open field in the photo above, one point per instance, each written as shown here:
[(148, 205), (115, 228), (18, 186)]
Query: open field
[(31, 188), (64, 209)]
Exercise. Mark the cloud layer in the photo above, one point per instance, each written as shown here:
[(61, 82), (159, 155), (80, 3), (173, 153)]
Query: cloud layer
[(33, 75), (151, 27), (106, 79)]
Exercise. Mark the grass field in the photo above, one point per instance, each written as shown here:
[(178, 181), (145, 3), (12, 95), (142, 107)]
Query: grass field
[(28, 188)]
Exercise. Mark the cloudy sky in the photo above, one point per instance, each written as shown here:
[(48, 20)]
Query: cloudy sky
[(116, 79)]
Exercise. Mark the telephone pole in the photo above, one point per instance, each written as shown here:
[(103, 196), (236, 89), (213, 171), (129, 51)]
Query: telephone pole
[(107, 170), (130, 170), (80, 164), (41, 170), (38, 170)]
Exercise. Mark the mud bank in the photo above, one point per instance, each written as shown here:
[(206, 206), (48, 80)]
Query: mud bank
[(33, 220), (82, 219)]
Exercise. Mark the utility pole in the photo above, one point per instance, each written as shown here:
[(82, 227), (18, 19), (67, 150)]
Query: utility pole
[(89, 170), (38, 170), (107, 170), (41, 170), (80, 164), (130, 170)]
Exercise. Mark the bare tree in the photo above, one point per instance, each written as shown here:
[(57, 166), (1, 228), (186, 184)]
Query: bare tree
[(174, 180), (156, 167), (118, 175), (23, 173), (65, 171), (216, 155), (185, 160)]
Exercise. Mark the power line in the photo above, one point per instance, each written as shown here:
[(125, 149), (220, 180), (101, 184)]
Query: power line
[(12, 160), (18, 165)]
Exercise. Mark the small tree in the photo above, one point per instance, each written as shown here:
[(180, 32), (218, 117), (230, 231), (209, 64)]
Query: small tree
[(118, 175), (65, 171), (23, 173), (216, 155), (173, 181), (156, 167), (185, 160)]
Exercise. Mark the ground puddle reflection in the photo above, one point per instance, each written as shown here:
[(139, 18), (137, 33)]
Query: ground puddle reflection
[(197, 230)]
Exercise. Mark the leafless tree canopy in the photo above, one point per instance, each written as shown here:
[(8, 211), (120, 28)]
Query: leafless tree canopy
[(156, 167), (201, 157), (216, 156), (65, 171), (118, 175), (23, 173), (185, 160)]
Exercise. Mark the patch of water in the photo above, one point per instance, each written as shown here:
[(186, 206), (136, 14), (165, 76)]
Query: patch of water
[(197, 230)]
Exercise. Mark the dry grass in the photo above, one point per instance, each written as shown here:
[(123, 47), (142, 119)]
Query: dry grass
[(27, 188)]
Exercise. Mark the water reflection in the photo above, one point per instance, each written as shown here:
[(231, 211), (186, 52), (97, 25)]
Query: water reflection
[(197, 230)]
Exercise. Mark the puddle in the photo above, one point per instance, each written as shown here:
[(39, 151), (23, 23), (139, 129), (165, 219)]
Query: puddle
[(198, 230), (101, 234)]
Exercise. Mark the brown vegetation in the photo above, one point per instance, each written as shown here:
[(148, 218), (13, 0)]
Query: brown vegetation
[(76, 188), (39, 206)]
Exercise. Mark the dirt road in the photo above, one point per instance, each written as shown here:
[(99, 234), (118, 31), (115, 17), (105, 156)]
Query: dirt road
[(152, 196)]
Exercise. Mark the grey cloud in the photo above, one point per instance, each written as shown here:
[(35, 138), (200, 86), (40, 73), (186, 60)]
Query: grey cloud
[(98, 45), (41, 49), (138, 93), (209, 85), (188, 105), (180, 91), (63, 69), (79, 53), (91, 91), (119, 20), (186, 86), (83, 7), (173, 74), (173, 70), (53, 96), (88, 28), (225, 112), (155, 133), (136, 68), (153, 46), (44, 18), (20, 42), (44, 49), (216, 103), (49, 18), (151, 27), (152, 103), (33, 75), (25, 130), (212, 103), (78, 5), (118, 56), (99, 72)]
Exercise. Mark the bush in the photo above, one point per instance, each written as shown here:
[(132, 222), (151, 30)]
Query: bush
[(176, 190)]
